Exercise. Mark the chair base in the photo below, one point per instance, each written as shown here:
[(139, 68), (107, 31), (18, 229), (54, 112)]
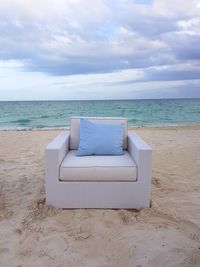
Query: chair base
[(114, 195)]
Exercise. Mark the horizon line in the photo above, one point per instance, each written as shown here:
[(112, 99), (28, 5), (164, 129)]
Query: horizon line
[(113, 99)]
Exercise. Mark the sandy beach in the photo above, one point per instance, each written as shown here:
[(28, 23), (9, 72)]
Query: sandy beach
[(167, 234)]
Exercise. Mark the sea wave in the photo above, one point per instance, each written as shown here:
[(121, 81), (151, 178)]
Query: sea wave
[(32, 128), (22, 121)]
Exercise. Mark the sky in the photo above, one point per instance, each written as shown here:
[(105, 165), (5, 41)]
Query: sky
[(99, 49)]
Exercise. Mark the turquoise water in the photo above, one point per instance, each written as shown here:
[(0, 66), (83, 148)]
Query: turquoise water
[(56, 114)]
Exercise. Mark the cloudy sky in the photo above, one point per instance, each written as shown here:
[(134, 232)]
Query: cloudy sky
[(99, 49)]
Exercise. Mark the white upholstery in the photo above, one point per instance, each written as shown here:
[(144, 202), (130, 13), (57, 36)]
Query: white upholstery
[(75, 128), (98, 168), (98, 186)]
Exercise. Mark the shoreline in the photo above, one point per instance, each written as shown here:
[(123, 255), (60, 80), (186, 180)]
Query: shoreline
[(130, 127)]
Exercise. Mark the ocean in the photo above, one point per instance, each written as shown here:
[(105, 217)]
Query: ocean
[(27, 115)]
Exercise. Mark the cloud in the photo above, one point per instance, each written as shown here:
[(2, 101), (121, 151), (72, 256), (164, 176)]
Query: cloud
[(158, 40)]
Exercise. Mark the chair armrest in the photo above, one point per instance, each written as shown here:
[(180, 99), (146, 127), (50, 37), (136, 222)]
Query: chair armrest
[(54, 155), (142, 155)]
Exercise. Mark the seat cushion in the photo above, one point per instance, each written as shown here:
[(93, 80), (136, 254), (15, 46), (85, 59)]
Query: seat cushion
[(98, 168)]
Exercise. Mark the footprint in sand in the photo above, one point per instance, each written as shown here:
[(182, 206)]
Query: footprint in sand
[(4, 250)]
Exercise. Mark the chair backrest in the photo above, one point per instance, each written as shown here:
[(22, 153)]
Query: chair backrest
[(75, 128)]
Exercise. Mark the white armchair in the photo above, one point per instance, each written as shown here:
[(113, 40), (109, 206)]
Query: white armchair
[(97, 181)]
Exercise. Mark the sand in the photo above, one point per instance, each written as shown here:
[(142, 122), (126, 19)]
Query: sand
[(167, 234)]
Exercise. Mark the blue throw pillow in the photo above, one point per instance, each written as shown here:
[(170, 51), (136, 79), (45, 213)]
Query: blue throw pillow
[(100, 139)]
